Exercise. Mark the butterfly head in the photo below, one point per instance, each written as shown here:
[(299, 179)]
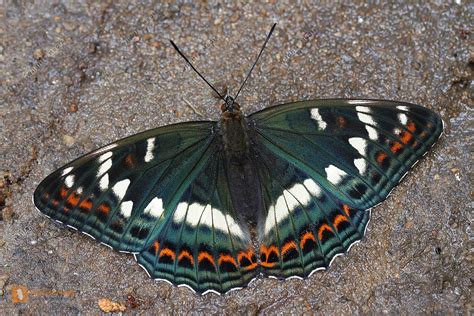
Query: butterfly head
[(230, 106)]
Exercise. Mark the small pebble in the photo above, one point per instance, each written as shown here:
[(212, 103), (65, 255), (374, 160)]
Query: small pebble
[(68, 140), (73, 108), (38, 54)]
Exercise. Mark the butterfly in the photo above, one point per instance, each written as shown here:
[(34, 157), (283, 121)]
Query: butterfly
[(211, 205)]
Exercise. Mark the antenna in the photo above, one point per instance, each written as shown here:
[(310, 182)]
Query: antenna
[(185, 58), (253, 66)]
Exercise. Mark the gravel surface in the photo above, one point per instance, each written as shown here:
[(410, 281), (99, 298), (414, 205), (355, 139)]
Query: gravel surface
[(77, 75)]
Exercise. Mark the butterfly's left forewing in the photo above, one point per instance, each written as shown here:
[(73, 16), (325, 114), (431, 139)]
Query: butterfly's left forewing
[(122, 193)]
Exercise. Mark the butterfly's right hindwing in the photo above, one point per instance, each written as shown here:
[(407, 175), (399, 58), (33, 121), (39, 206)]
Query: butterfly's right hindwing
[(120, 194)]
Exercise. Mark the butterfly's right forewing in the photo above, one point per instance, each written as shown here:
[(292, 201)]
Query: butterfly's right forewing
[(322, 165)]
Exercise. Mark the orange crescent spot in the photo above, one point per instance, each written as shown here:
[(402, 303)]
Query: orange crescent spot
[(206, 255), (168, 252), (156, 246), (252, 266), (63, 192), (321, 230), (86, 205), (395, 146), (380, 157), (267, 251), (248, 255), (338, 220), (74, 199), (288, 246), (411, 127), (186, 254), (406, 137), (346, 209), (104, 208), (267, 264), (306, 236), (226, 258)]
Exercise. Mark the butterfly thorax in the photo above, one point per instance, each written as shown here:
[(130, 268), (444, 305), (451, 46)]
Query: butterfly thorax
[(241, 171), (233, 132)]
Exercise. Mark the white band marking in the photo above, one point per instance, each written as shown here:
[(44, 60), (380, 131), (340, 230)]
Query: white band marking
[(120, 188), (334, 174), (154, 208), (317, 117), (149, 149)]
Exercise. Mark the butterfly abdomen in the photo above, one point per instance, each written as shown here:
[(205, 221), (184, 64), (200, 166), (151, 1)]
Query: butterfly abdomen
[(240, 169)]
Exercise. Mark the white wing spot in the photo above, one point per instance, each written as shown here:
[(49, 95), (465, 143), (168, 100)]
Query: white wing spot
[(126, 209), (403, 118), (233, 227), (402, 107), (104, 182), (289, 200), (365, 109), (66, 171), (373, 135), (361, 164), (105, 156), (104, 167), (270, 221), (281, 209), (206, 218), (195, 211), (155, 208), (120, 188), (299, 192), (218, 219), (149, 149), (317, 117), (334, 174), (313, 187), (206, 215), (69, 181), (366, 118), (180, 212), (359, 144)]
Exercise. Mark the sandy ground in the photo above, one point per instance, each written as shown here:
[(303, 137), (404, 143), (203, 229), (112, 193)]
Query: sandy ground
[(76, 75)]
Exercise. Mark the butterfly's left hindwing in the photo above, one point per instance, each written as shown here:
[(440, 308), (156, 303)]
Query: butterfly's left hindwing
[(120, 194)]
